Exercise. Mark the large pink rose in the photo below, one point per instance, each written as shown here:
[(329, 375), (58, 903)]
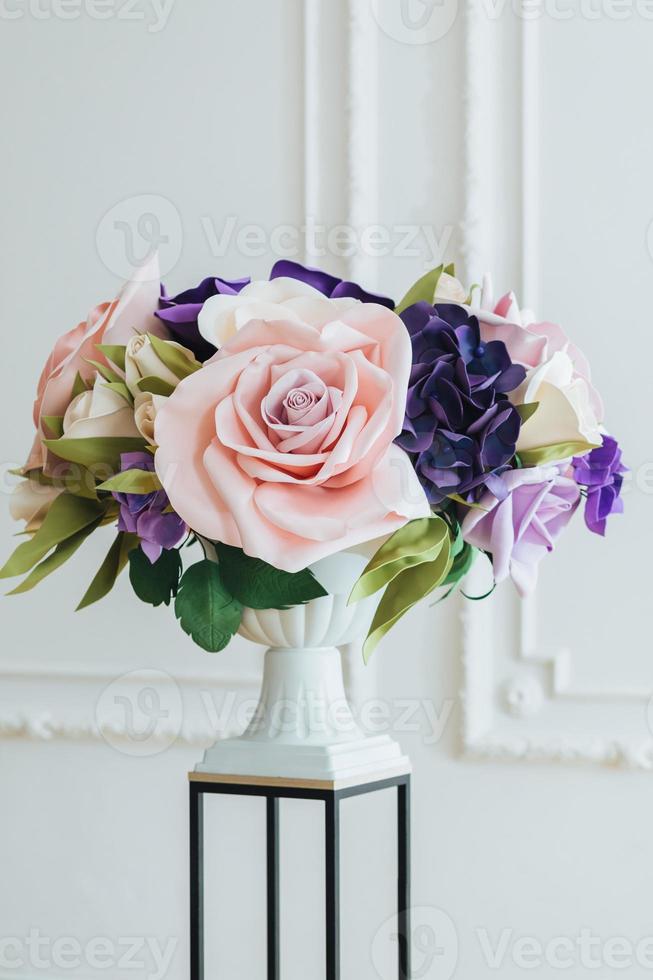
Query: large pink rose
[(282, 444), (110, 323)]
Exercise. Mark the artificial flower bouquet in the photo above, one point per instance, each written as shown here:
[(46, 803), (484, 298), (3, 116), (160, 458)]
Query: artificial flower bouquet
[(275, 423)]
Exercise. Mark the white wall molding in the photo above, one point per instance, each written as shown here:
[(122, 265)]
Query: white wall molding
[(519, 700)]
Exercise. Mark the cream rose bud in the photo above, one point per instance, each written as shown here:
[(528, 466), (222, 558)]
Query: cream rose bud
[(99, 412), (449, 290), (30, 502), (142, 361), (145, 415), (565, 412)]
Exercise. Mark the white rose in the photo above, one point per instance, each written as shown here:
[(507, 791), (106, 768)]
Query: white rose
[(99, 412), (30, 502), (565, 412), (279, 299), (142, 361), (145, 415)]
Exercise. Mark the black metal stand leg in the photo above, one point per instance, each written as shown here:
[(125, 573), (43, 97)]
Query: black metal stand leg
[(272, 823), (196, 883), (403, 827), (332, 852)]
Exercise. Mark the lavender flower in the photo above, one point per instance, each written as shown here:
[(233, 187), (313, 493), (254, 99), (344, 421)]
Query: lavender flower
[(602, 472), (144, 513)]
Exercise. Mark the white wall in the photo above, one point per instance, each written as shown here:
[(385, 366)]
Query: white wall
[(519, 145)]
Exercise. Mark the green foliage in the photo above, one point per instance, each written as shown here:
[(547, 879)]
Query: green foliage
[(155, 386), (205, 608), (174, 359), (110, 569), (423, 290), (67, 515), (413, 562), (261, 586), (132, 481), (96, 450), (527, 410), (554, 453), (114, 353), (63, 551), (155, 582)]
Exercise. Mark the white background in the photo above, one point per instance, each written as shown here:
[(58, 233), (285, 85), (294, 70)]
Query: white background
[(521, 144)]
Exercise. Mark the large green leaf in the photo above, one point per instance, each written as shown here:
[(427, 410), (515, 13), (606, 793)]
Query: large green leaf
[(132, 481), (67, 515), (423, 290), (416, 542), (105, 450), (405, 591), (205, 608), (78, 481), (174, 359), (555, 452), (155, 582), (110, 569), (64, 550), (261, 586)]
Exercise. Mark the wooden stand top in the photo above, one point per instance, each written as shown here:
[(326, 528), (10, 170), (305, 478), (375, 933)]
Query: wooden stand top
[(288, 782)]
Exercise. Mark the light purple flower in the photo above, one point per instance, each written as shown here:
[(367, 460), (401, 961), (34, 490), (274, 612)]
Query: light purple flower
[(144, 513), (522, 516), (602, 473)]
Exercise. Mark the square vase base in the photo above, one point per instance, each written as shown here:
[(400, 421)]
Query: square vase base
[(360, 759)]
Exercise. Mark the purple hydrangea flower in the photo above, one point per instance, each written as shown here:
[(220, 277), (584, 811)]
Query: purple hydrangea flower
[(330, 286), (180, 312), (143, 513), (459, 427), (601, 471)]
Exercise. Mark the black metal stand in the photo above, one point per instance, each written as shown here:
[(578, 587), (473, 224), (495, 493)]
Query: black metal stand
[(330, 794)]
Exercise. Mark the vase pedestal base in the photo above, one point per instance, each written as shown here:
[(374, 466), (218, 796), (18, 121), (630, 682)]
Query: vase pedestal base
[(360, 759)]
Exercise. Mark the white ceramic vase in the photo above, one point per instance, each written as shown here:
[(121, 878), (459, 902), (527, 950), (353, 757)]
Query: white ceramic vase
[(303, 726)]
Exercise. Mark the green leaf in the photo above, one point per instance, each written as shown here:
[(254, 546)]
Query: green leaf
[(114, 353), (104, 370), (110, 569), (205, 608), (155, 582), (54, 424), (554, 453), (461, 564), (64, 550), (418, 541), (155, 386), (450, 269), (466, 503), (174, 359), (98, 449), (79, 386), (67, 515), (132, 481), (121, 389), (405, 591), (261, 586), (80, 483), (423, 290), (527, 411)]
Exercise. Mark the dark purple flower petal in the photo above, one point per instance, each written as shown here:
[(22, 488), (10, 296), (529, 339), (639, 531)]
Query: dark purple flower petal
[(601, 471), (326, 284)]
